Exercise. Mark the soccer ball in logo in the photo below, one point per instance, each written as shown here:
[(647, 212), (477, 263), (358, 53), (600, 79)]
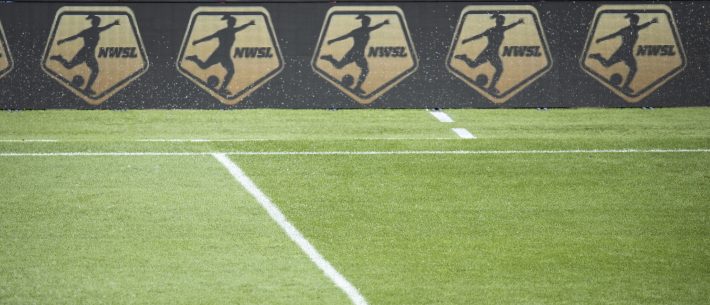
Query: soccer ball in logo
[(481, 80), (616, 79), (77, 81), (212, 81), (348, 80)]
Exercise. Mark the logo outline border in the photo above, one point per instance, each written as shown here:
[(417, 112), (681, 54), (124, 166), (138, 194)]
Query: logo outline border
[(6, 48), (523, 84), (655, 85), (381, 90), (254, 86)]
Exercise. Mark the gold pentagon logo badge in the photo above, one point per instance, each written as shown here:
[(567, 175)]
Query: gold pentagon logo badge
[(230, 51), (633, 49), (499, 50), (365, 50), (95, 51), (5, 57)]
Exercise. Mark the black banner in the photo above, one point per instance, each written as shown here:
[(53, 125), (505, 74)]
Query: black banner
[(327, 54)]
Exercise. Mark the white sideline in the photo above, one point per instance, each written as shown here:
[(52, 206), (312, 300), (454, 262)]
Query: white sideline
[(28, 140), (264, 140), (291, 231), (195, 140), (394, 152), (463, 133), (441, 116), (225, 140)]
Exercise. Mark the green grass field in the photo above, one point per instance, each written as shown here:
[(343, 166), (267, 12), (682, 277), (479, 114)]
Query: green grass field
[(586, 206)]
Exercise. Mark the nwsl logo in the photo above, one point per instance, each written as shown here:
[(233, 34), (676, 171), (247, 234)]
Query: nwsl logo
[(95, 51), (633, 49), (230, 51), (364, 51), (499, 50)]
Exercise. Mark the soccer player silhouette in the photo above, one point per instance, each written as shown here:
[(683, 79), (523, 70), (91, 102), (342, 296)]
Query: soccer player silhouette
[(625, 53), (356, 54), (87, 54), (220, 55), (495, 36)]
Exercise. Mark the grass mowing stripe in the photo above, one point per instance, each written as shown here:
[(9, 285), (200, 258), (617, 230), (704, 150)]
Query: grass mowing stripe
[(187, 124), (293, 233), (401, 152)]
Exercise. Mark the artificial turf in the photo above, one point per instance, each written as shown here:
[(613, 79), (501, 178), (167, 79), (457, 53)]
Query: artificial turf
[(530, 229), (573, 228), (144, 230)]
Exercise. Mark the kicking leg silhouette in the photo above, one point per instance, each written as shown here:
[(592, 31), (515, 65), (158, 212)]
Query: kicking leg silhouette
[(228, 76), (631, 63), (214, 59), (338, 64), (603, 61), (498, 65), (202, 64), (94, 67), (68, 64), (364, 71), (472, 63)]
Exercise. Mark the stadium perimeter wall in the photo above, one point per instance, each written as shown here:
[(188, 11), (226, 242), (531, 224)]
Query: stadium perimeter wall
[(312, 54)]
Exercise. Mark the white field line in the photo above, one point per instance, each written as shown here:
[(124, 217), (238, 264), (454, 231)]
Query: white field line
[(196, 140), (463, 133), (27, 140), (324, 139), (395, 152), (226, 140), (441, 116), (291, 231)]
